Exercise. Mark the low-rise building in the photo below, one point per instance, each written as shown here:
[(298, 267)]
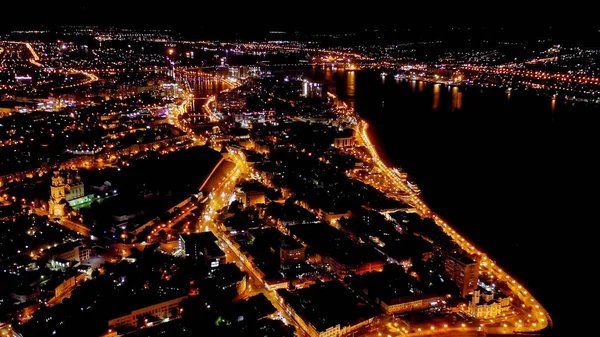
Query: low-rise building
[(396, 291), (344, 139), (485, 305), (291, 251), (164, 309), (262, 147), (250, 197), (24, 294), (402, 304), (343, 267), (58, 286), (327, 309), (202, 246), (228, 276), (285, 247), (341, 255), (73, 252)]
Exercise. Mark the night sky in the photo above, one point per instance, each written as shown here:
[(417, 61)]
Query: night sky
[(304, 15)]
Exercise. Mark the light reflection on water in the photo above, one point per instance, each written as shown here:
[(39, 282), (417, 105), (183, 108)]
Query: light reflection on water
[(456, 98), (436, 97), (350, 84)]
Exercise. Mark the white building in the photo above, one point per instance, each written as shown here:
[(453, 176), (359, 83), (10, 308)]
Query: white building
[(486, 306)]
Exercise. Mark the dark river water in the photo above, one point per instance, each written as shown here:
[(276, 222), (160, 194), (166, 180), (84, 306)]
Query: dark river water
[(511, 172)]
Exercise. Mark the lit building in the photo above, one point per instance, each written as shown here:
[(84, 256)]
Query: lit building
[(63, 193), (343, 268), (250, 198), (243, 72), (410, 303), (254, 71), (288, 249), (57, 287), (235, 72), (229, 102), (74, 187), (262, 147), (202, 246), (313, 90), (291, 251), (161, 310), (72, 252), (463, 270), (486, 306), (326, 310), (344, 139), (5, 111), (57, 201), (248, 118)]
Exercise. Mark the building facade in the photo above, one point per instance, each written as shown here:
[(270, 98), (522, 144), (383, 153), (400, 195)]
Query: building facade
[(341, 142), (57, 202), (486, 306), (400, 305), (462, 270), (292, 254), (250, 198), (343, 270), (161, 310), (64, 191)]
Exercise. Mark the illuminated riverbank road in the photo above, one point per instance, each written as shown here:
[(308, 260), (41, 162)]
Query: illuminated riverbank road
[(538, 318), (392, 175), (533, 317)]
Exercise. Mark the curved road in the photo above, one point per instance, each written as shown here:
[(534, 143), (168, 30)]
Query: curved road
[(540, 318)]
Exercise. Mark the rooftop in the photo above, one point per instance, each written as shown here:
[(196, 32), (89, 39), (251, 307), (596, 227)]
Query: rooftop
[(460, 257), (391, 286), (205, 240), (327, 304), (327, 240), (63, 248), (346, 133), (274, 238), (125, 305)]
